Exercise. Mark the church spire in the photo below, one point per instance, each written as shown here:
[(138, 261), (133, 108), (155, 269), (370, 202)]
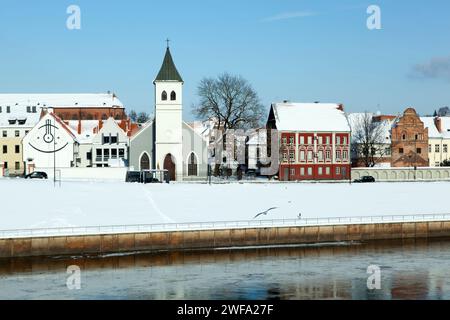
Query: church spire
[(168, 71)]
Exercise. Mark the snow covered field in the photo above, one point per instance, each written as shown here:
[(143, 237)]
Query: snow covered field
[(37, 204)]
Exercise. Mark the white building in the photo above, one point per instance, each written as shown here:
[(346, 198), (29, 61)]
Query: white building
[(438, 139)]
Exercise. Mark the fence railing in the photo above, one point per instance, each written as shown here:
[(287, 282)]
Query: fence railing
[(218, 225)]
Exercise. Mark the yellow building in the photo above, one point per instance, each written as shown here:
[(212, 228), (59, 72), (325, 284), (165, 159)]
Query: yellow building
[(438, 139), (15, 122)]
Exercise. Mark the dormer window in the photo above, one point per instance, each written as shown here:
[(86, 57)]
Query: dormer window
[(12, 121), (173, 96), (164, 96), (28, 109), (8, 109), (33, 109)]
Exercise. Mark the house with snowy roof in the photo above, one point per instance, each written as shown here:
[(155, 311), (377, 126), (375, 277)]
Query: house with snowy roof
[(438, 139), (314, 141)]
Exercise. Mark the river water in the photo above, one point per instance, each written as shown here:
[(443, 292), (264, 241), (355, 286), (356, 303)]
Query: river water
[(409, 270)]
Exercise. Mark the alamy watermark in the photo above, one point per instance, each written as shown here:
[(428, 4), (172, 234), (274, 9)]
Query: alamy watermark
[(374, 280), (374, 19), (73, 21), (73, 281)]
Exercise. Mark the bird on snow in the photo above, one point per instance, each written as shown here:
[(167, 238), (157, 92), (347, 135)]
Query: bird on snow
[(265, 212)]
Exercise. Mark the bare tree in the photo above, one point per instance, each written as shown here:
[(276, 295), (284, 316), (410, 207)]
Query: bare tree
[(133, 116), (142, 117), (231, 100), (368, 140)]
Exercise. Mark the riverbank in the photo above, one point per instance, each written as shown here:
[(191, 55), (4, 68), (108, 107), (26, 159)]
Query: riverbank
[(211, 239)]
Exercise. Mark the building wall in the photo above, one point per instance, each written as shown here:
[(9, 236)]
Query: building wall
[(87, 113), (314, 156), (140, 143), (11, 162), (403, 174), (192, 142), (438, 151), (409, 141)]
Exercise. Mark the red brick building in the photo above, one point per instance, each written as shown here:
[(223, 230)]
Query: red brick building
[(409, 141), (314, 141)]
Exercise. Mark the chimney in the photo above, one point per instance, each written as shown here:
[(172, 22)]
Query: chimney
[(341, 107), (438, 124), (79, 126)]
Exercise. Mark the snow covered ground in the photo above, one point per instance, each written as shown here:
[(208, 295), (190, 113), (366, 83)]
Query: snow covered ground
[(28, 204)]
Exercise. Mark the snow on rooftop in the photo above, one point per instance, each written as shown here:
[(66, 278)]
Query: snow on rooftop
[(317, 117), (433, 132), (60, 100)]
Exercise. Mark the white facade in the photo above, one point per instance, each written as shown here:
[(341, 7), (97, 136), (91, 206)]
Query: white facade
[(50, 143)]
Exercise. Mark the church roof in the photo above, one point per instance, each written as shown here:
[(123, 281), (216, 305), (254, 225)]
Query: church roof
[(168, 71)]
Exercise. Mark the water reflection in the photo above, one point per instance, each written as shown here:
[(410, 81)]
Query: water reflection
[(410, 270)]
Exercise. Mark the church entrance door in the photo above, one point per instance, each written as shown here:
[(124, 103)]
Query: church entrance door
[(169, 165)]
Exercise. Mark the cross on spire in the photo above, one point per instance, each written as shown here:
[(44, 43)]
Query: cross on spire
[(167, 40)]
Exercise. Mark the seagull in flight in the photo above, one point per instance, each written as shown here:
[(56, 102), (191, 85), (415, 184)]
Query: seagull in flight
[(265, 212)]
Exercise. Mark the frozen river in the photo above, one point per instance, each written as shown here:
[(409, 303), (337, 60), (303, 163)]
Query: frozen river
[(409, 270)]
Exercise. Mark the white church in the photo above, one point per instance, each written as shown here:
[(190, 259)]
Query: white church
[(166, 141)]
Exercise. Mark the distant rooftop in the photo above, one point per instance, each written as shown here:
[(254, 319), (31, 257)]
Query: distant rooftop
[(60, 100)]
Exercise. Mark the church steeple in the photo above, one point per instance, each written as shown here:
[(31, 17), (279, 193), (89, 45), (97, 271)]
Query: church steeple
[(168, 71)]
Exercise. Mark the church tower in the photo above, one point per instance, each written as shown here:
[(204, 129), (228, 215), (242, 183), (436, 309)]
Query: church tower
[(168, 118)]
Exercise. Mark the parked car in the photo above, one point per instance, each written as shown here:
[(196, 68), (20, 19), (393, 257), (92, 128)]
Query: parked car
[(365, 179), (36, 175)]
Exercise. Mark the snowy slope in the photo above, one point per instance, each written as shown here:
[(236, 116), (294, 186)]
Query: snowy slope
[(37, 204)]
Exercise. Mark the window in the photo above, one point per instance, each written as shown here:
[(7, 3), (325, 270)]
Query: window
[(284, 141), (403, 137), (320, 155), (5, 134), (164, 96), (327, 170), (310, 155), (121, 153), (89, 155), (17, 149), (33, 109), (284, 156), (310, 171), (28, 109), (106, 140), (114, 153), (338, 170), (328, 140), (387, 151), (400, 150), (429, 148), (344, 155), (17, 166), (302, 171), (302, 140), (99, 153), (1, 109), (291, 141), (338, 155), (419, 150), (8, 109), (302, 156), (345, 140), (106, 154), (292, 172), (114, 139), (445, 148), (416, 137), (320, 171), (173, 96), (437, 148), (309, 140), (192, 165), (328, 154), (26, 132), (292, 156), (320, 140), (17, 133), (5, 165), (5, 149), (338, 140)]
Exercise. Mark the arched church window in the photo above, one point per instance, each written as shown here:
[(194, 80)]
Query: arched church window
[(164, 96), (173, 96), (192, 165)]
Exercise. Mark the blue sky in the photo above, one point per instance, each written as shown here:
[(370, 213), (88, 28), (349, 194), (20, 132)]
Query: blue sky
[(297, 50)]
